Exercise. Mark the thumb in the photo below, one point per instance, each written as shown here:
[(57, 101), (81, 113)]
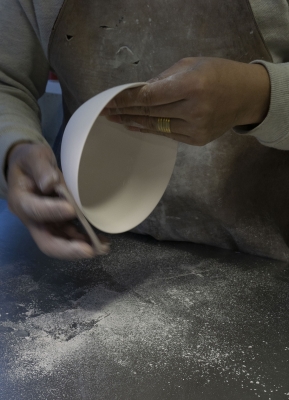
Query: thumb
[(38, 162), (47, 178), (46, 175)]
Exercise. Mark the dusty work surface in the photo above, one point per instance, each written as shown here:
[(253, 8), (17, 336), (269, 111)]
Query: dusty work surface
[(150, 321)]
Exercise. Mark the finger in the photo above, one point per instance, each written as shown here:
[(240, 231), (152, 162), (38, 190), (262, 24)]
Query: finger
[(41, 208), (179, 109), (71, 232), (191, 140), (55, 246), (46, 175), (182, 66), (151, 123), (174, 69), (161, 92)]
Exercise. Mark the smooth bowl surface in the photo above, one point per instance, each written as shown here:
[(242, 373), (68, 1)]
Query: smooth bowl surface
[(117, 177)]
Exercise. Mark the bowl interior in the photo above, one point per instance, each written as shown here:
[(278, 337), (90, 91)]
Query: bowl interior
[(122, 175)]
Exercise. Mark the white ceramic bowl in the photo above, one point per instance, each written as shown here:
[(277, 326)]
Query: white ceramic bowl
[(116, 177)]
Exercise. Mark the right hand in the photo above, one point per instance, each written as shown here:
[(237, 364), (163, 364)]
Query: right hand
[(203, 97), (32, 175)]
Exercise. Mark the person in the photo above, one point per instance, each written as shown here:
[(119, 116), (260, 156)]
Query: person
[(217, 83)]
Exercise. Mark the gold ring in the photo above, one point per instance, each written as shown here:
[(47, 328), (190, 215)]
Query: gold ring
[(164, 125)]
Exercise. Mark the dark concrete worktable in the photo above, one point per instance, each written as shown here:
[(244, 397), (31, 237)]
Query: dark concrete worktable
[(150, 321)]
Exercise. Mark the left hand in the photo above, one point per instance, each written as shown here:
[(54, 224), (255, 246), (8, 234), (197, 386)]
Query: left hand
[(203, 97), (33, 178)]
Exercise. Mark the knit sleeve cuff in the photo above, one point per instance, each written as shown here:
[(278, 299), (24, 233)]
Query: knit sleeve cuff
[(274, 130)]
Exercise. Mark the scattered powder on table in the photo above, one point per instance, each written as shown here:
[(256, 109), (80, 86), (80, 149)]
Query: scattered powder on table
[(194, 318)]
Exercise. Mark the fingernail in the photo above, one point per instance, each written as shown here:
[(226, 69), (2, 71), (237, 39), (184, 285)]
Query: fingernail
[(105, 248), (70, 211), (48, 180), (87, 254), (55, 176)]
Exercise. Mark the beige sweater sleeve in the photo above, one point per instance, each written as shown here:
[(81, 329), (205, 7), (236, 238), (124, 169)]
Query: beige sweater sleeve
[(23, 77), (273, 21)]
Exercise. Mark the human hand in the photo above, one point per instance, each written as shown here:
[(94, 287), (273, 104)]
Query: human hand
[(203, 97), (32, 180)]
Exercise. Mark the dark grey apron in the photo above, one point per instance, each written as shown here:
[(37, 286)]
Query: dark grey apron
[(232, 193)]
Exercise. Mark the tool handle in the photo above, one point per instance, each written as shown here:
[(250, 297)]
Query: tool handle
[(99, 247)]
